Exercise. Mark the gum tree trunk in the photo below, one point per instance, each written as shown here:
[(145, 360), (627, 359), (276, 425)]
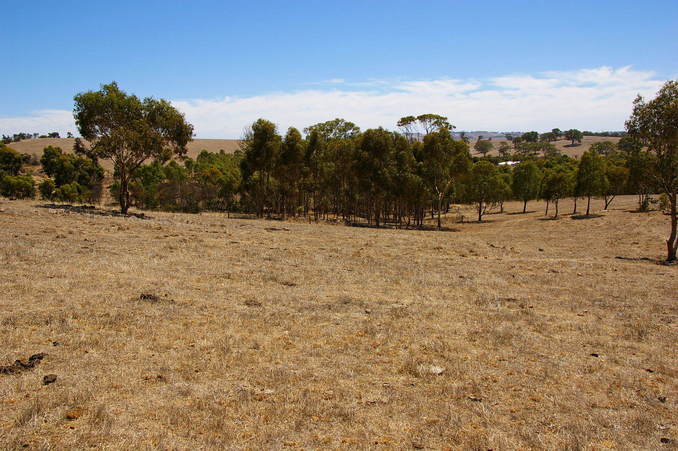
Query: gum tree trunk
[(123, 195), (672, 242)]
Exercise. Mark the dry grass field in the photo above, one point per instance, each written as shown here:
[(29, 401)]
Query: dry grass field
[(201, 332)]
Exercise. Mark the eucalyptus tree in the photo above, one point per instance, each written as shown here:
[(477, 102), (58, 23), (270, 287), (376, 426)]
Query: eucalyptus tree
[(337, 175), (483, 147), (604, 147), (558, 184), (655, 124), (128, 131), (289, 171), (407, 187), (548, 137), (641, 181), (261, 147), (617, 180), (374, 161), (526, 182), (334, 129), (11, 161), (530, 137), (423, 124), (504, 149), (443, 160), (591, 180), (484, 186), (574, 136)]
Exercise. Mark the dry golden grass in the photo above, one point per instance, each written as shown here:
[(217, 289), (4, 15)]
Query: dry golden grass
[(518, 333)]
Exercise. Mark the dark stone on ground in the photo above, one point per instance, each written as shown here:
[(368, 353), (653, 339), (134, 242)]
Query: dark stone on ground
[(20, 365)]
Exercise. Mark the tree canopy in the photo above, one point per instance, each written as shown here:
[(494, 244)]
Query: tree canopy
[(334, 129), (655, 124), (483, 146), (484, 186), (591, 180), (574, 136), (128, 130), (423, 124), (526, 182)]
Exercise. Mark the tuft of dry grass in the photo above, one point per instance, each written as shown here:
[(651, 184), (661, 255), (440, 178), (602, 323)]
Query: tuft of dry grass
[(201, 332)]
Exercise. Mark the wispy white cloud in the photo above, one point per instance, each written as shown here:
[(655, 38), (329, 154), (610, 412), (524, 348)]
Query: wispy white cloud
[(439, 87), (593, 99), (335, 81), (42, 121)]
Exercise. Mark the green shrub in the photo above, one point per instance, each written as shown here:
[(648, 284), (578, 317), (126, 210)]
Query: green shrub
[(18, 186), (144, 185), (10, 160), (84, 175), (71, 192), (664, 203), (47, 188)]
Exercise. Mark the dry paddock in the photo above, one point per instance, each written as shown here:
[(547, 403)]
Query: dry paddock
[(202, 332)]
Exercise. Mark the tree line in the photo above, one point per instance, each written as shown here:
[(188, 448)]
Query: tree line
[(334, 169), (338, 171), (16, 137)]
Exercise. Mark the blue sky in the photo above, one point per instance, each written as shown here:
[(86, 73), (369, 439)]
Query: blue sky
[(227, 63)]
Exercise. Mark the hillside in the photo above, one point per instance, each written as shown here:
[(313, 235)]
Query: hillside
[(200, 332), (563, 145), (35, 146)]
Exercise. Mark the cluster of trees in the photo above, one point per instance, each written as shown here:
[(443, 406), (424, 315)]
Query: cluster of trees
[(607, 134), (210, 182), (522, 144), (383, 176), (338, 170), (535, 142), (12, 182), (377, 175), (72, 177), (7, 139)]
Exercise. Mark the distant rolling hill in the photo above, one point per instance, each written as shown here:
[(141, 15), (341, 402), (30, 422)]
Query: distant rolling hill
[(562, 145), (35, 146)]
